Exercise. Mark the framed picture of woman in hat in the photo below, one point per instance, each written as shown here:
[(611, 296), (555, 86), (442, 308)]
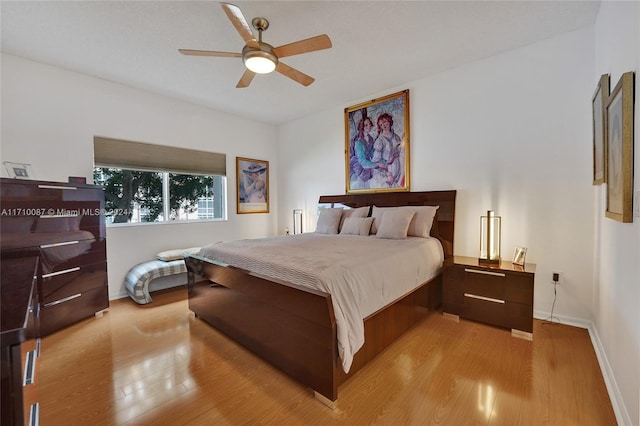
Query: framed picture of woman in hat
[(252, 178)]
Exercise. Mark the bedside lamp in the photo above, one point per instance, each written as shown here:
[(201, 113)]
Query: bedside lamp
[(490, 238)]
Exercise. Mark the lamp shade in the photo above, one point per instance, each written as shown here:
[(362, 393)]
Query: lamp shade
[(490, 229)]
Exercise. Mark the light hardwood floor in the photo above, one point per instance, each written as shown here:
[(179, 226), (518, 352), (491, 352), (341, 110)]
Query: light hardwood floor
[(159, 365)]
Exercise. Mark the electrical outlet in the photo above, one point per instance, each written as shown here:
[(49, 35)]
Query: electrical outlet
[(556, 277)]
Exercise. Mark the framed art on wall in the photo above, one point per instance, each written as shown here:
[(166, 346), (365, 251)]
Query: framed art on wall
[(598, 106), (619, 122), (377, 144), (252, 177)]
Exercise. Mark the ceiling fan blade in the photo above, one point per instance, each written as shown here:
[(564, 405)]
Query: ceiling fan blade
[(209, 53), (237, 19), (303, 46), (246, 79), (294, 74)]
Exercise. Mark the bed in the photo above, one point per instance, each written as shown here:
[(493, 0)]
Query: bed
[(297, 328)]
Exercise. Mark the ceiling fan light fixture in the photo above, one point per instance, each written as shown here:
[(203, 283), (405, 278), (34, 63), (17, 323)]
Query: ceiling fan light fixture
[(260, 61)]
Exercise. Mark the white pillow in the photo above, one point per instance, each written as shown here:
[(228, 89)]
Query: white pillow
[(420, 225), (376, 214), (358, 212), (356, 226), (177, 254), (394, 224), (329, 221)]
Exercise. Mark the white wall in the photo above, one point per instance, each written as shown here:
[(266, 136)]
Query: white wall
[(617, 250), (49, 119), (511, 133)]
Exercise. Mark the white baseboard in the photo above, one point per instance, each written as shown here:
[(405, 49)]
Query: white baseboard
[(562, 319), (117, 296), (619, 409)]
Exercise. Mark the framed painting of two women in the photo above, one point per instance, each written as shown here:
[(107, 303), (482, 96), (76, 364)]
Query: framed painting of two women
[(377, 145)]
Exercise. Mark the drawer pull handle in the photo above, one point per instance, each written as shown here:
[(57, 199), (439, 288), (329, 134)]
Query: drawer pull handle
[(66, 271), (30, 368), (56, 187), (38, 347), (34, 414), (486, 299), (66, 243), (475, 271), (64, 299)]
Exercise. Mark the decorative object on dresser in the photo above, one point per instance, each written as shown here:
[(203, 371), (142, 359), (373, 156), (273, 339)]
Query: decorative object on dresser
[(20, 341), (77, 179), (620, 150), (490, 228), (497, 294), (18, 170), (64, 225)]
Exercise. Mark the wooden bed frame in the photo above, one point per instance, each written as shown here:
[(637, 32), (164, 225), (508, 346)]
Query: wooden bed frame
[(294, 327)]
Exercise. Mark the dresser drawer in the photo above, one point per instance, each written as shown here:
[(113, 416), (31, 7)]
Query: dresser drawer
[(30, 378), (73, 309), (70, 282), (66, 255), (48, 191)]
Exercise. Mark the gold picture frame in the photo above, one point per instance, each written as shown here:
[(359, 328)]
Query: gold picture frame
[(619, 123), (377, 145), (598, 107), (252, 184)]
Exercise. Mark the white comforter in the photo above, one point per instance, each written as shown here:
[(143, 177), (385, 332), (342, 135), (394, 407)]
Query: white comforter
[(362, 274)]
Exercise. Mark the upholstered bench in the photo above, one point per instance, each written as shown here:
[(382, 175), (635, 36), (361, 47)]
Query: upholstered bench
[(140, 276)]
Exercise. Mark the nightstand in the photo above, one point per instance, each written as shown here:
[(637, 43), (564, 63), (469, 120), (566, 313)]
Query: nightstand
[(497, 294)]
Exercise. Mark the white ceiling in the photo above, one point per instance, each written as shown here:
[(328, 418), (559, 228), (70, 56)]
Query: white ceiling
[(376, 44)]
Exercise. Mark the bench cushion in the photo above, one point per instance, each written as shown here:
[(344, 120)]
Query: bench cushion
[(178, 254)]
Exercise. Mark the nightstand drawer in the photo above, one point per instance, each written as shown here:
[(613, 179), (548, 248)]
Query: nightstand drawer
[(484, 310)]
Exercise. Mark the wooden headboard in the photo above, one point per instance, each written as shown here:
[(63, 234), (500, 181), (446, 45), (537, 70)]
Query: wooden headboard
[(445, 218)]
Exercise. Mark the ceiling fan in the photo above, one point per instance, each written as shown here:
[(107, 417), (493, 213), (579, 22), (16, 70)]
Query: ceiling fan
[(260, 57)]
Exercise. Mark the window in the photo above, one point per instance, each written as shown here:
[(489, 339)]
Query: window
[(154, 183), (135, 196)]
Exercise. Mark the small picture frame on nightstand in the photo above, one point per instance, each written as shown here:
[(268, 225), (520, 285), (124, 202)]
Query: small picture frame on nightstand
[(519, 255)]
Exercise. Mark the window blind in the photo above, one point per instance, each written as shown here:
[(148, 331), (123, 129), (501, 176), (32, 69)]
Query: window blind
[(121, 154)]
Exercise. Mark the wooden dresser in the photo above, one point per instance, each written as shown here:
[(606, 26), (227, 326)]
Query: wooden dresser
[(498, 294), (20, 341), (63, 224)]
